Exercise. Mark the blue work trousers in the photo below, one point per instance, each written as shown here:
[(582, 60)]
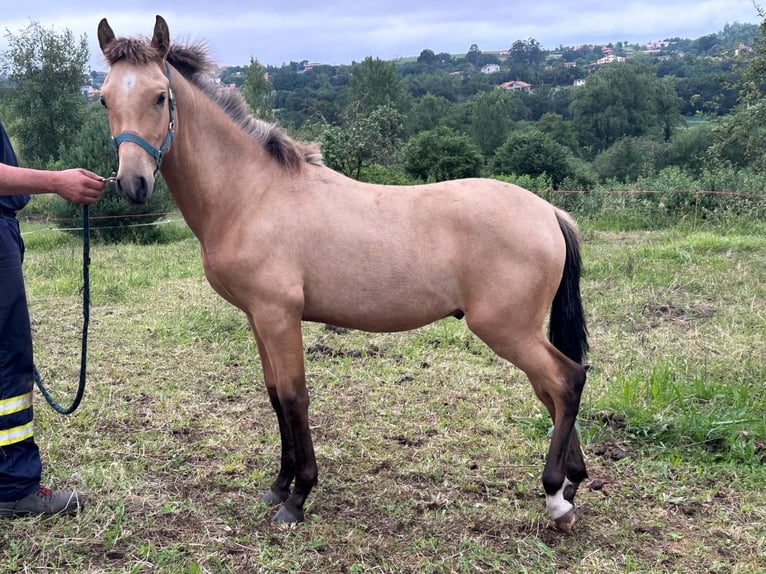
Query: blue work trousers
[(20, 465)]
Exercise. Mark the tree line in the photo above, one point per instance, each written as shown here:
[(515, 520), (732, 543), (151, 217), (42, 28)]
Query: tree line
[(691, 111)]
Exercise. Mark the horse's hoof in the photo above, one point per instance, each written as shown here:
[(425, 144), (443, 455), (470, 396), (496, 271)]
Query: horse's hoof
[(565, 523), (272, 498), (287, 516)]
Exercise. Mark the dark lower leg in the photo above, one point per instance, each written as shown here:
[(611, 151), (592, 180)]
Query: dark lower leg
[(564, 466), (554, 472), (296, 418), (576, 470), (280, 488)]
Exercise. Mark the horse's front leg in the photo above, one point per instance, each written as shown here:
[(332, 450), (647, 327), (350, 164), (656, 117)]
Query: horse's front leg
[(280, 488), (281, 344)]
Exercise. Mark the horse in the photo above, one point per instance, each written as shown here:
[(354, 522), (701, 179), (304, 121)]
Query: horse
[(286, 239)]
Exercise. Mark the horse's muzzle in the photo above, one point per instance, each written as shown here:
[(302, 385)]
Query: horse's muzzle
[(135, 190)]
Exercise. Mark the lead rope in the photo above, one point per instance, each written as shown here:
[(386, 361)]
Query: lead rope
[(85, 320)]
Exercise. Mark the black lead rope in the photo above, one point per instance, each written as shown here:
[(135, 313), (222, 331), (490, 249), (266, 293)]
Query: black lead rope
[(85, 320)]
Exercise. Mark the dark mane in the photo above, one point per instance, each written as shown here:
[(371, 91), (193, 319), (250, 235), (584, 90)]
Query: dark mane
[(193, 63)]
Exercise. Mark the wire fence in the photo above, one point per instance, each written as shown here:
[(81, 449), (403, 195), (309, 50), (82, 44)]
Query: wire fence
[(170, 217)]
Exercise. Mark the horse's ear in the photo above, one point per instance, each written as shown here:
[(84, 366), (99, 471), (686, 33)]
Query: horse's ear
[(161, 38), (105, 34)]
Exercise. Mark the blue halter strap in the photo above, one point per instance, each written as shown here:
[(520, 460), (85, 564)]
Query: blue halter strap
[(132, 137)]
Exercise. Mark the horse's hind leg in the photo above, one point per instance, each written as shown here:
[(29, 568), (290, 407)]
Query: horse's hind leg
[(558, 383), (576, 470), (564, 465)]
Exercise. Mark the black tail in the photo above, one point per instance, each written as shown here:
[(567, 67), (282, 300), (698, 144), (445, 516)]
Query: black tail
[(567, 330)]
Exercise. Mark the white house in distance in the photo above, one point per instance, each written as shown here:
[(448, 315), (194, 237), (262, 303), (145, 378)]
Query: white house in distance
[(516, 86), (608, 59), (490, 69)]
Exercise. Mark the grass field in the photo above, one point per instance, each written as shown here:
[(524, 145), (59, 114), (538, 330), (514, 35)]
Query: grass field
[(430, 447)]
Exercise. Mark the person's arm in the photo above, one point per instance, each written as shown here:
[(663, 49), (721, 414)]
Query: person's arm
[(76, 185)]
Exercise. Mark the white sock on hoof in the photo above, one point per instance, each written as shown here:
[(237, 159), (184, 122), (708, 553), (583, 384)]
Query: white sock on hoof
[(557, 505)]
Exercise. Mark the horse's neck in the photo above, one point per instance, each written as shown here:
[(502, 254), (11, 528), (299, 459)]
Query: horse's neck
[(204, 164)]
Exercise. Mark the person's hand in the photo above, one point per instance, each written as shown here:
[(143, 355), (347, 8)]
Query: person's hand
[(79, 185)]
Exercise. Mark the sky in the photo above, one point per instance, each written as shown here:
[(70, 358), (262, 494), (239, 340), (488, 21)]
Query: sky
[(345, 31)]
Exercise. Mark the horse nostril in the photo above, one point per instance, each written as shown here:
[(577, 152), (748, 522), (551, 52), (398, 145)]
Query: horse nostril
[(142, 192)]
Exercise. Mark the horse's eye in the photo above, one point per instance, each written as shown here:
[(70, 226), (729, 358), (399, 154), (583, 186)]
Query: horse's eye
[(103, 101), (161, 99)]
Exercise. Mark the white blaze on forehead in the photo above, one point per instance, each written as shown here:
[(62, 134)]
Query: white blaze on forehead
[(128, 81)]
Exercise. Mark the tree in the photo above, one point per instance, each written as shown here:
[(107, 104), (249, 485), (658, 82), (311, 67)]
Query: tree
[(630, 158), (258, 92), (375, 83), (624, 100), (438, 83), (740, 136), (525, 53), (559, 130), (474, 55), (364, 140), (427, 113), (689, 148), (490, 120), (534, 153), (47, 71), (666, 106), (442, 154), (428, 58), (707, 45), (233, 75)]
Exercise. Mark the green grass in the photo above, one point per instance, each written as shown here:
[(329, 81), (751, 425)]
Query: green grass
[(430, 447), (692, 311)]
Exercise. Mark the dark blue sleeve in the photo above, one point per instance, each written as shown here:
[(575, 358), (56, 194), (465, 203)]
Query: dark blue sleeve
[(8, 157)]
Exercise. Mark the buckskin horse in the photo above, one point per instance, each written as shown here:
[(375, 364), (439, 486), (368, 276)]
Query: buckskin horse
[(286, 239)]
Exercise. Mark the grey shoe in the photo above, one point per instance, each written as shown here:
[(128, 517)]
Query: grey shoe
[(43, 502)]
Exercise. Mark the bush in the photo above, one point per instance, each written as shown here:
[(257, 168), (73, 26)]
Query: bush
[(689, 148), (537, 183), (629, 159), (442, 154), (731, 180), (385, 174), (581, 176), (533, 153)]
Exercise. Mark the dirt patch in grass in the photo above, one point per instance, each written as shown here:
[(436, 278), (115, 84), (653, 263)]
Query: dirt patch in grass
[(676, 314)]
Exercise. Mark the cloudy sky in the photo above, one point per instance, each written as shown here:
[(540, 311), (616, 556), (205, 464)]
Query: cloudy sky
[(343, 31)]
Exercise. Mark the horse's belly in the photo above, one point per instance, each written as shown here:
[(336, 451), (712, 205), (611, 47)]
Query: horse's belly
[(377, 324), (382, 313)]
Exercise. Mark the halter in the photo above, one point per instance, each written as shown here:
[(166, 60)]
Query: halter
[(157, 154)]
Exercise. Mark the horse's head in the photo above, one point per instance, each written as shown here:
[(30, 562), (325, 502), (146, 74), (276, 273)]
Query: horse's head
[(140, 105)]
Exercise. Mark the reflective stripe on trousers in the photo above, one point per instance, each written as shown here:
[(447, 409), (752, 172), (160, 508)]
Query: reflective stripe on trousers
[(17, 434), (15, 404), (20, 432)]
